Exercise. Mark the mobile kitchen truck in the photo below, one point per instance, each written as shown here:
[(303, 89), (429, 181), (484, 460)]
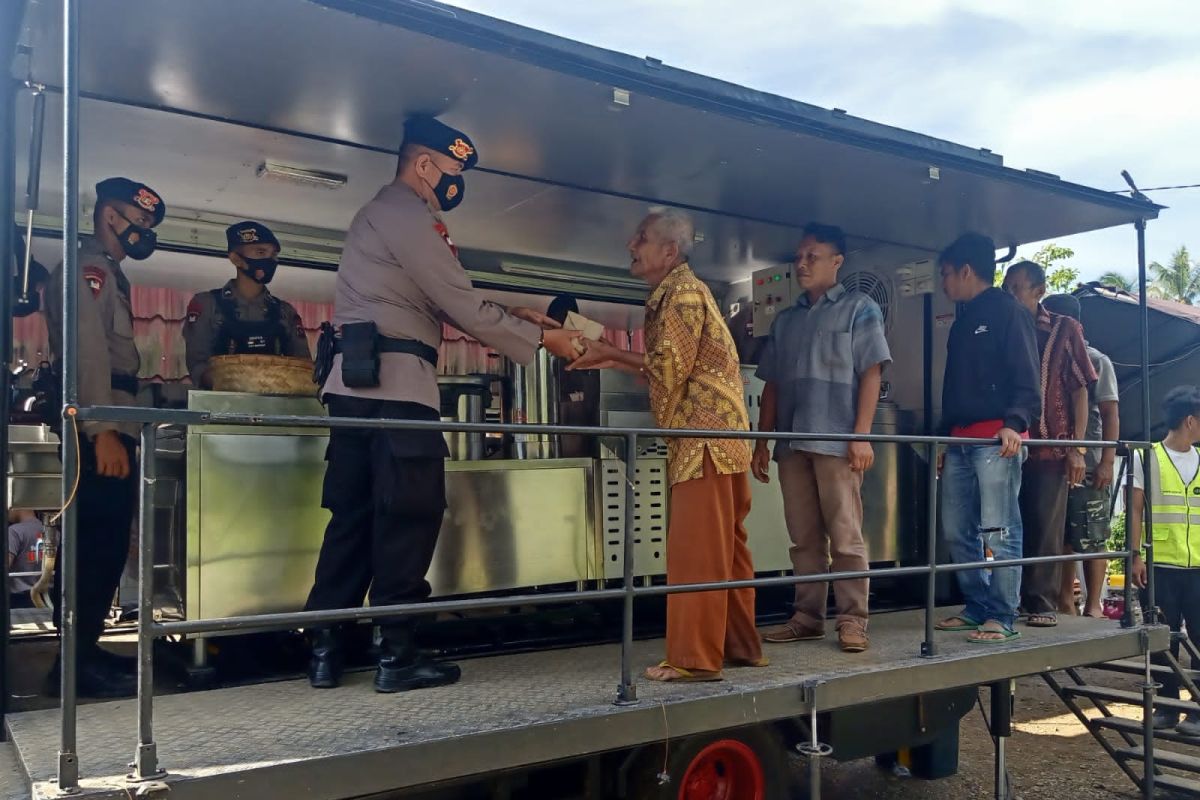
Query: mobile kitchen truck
[(289, 111)]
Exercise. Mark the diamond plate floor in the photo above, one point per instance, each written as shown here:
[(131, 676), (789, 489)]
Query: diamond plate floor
[(208, 734)]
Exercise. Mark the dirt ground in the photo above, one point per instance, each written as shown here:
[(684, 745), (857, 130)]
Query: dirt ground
[(1050, 755)]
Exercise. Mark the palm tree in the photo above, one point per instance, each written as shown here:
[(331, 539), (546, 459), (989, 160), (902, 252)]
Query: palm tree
[(1179, 280), (1118, 281)]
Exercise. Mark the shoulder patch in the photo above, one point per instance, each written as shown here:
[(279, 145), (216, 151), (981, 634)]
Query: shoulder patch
[(440, 227), (194, 310), (95, 277)]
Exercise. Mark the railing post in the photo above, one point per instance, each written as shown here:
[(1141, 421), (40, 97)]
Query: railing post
[(145, 758), (627, 690), (1127, 619), (68, 761), (928, 647)]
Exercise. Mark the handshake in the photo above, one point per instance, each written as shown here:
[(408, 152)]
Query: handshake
[(577, 339)]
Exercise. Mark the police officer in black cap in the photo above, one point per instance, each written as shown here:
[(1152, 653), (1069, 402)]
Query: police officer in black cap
[(398, 280), (243, 317), (123, 221)]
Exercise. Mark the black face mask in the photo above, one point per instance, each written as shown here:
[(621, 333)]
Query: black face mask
[(137, 242), (260, 270), (449, 190)]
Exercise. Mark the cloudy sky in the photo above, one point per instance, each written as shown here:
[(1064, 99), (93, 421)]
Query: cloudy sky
[(1080, 88)]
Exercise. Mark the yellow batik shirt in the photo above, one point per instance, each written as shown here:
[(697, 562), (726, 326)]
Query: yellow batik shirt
[(695, 379)]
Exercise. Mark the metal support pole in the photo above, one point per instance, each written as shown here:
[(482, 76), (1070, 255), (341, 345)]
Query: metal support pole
[(145, 758), (1144, 332), (1127, 619), (928, 647), (68, 762), (627, 691), (1148, 689), (8, 108), (1002, 703)]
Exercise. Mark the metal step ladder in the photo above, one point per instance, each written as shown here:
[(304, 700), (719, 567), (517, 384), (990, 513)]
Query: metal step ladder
[(1132, 743)]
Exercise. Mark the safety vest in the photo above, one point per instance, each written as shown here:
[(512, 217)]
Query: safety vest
[(1176, 509)]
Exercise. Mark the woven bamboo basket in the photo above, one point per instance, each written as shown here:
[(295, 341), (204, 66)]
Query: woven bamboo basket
[(279, 375)]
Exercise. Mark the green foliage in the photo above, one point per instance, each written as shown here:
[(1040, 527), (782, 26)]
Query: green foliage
[(1117, 280), (1179, 280)]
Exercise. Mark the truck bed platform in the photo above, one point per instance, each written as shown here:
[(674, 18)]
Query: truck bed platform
[(286, 740)]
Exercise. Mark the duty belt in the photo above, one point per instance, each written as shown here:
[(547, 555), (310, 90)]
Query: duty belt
[(387, 344)]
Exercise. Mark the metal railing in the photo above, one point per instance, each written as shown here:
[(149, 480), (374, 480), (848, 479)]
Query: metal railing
[(145, 762)]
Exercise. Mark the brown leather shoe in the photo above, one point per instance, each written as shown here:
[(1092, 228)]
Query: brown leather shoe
[(853, 639), (792, 631)]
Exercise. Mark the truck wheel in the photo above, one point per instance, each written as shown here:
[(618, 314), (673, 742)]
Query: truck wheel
[(747, 764)]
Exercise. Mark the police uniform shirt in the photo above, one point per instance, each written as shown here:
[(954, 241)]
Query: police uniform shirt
[(204, 322), (400, 270), (105, 347)]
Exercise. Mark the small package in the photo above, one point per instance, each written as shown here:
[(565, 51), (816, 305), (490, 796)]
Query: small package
[(589, 328)]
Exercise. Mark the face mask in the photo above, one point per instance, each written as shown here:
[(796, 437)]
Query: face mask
[(449, 190), (260, 270), (137, 242)]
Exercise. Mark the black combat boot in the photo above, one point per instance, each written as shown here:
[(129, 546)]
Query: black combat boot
[(325, 665), (402, 667)]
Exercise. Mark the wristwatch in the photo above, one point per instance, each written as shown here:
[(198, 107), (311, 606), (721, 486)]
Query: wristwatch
[(1081, 450)]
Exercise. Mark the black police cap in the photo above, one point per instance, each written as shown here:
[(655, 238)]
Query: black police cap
[(249, 232), (441, 138), (134, 193)]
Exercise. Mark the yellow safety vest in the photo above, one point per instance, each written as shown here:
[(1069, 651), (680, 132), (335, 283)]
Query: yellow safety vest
[(1176, 509)]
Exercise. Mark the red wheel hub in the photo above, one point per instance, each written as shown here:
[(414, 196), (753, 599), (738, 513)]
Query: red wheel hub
[(724, 770)]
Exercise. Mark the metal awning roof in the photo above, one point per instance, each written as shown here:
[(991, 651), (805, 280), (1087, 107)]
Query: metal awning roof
[(565, 171)]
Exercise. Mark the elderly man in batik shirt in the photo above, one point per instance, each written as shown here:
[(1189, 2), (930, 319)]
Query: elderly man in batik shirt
[(691, 366)]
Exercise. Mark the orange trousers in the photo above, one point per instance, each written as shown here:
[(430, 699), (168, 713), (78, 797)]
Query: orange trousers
[(706, 541)]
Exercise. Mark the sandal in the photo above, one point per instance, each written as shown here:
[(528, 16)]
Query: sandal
[(992, 632), (667, 672), (1042, 620), (957, 623)]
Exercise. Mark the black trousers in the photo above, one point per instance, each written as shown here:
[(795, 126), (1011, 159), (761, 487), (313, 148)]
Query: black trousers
[(1177, 593), (1044, 518), (386, 491), (105, 509)]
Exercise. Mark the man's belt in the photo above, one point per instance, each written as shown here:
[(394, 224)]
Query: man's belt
[(125, 383), (386, 344)]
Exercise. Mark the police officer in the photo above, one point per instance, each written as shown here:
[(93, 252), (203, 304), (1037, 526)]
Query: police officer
[(126, 213), (398, 279), (243, 317)]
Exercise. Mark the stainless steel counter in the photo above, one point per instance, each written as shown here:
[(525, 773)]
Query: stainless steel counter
[(254, 521)]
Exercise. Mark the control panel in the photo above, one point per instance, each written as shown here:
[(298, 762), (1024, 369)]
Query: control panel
[(771, 291)]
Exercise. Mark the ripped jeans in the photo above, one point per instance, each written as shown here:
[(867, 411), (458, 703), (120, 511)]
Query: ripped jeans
[(980, 508)]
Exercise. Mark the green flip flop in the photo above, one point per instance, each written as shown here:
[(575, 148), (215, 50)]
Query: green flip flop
[(968, 624)]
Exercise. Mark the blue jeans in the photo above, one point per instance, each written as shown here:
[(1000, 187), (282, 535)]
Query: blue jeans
[(980, 508)]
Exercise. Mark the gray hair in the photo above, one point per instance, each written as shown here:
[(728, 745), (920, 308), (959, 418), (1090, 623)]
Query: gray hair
[(674, 226)]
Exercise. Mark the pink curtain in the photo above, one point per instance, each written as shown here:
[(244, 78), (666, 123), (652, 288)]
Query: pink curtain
[(158, 316)]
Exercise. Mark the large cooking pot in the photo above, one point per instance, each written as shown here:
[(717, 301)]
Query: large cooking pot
[(464, 398), (532, 397)]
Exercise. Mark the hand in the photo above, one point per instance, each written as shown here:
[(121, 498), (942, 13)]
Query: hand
[(941, 461), (1104, 473), (536, 317), (760, 463), (1139, 572), (561, 343), (598, 355), (861, 455), (1076, 469), (1010, 442), (112, 459)]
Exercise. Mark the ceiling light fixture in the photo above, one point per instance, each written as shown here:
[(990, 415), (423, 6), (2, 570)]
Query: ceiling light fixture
[(614, 279), (306, 177)]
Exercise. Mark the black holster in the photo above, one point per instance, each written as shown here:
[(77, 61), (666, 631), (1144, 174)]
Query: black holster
[(359, 346), (326, 347)]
